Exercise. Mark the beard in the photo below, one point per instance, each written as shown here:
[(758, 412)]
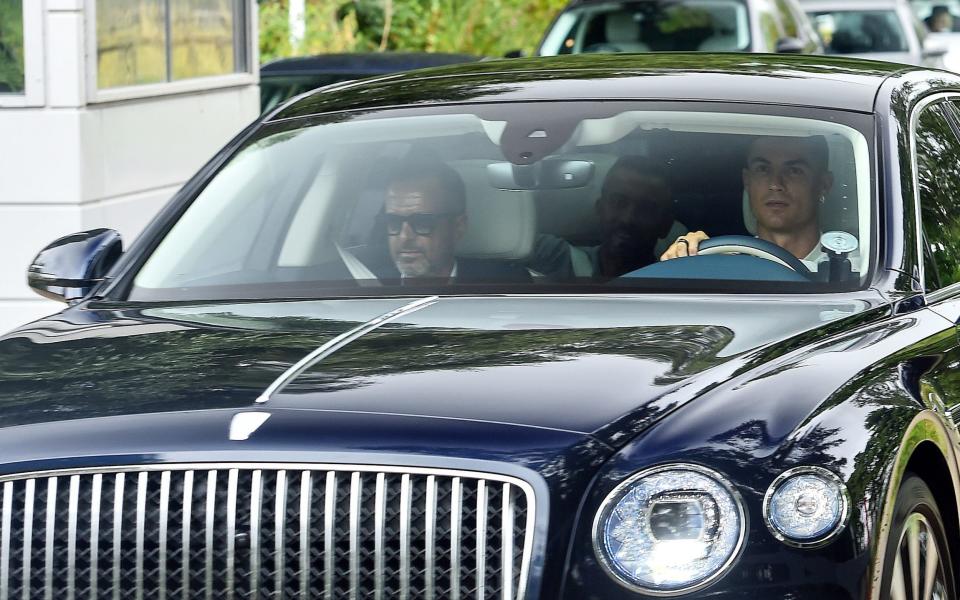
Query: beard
[(417, 266)]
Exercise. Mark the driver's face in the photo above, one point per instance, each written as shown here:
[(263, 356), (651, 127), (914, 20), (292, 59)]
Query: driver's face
[(784, 183)]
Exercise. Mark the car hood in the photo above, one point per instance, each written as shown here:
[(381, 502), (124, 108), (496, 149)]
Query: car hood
[(575, 364)]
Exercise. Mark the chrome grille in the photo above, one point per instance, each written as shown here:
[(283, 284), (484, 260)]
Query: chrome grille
[(264, 531)]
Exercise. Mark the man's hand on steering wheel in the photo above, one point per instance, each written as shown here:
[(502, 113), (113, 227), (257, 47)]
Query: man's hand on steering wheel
[(686, 245)]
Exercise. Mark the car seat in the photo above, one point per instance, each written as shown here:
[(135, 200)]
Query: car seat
[(623, 32)]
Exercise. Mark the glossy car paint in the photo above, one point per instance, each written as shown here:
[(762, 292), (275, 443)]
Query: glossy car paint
[(572, 393)]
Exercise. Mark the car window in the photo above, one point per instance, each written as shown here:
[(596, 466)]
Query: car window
[(651, 26), (523, 197), (790, 27), (938, 186), (924, 10), (860, 31), (771, 29)]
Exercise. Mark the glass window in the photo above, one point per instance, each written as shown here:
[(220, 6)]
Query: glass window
[(652, 26), (938, 185), (860, 31), (388, 201), (154, 41), (788, 19), (11, 47)]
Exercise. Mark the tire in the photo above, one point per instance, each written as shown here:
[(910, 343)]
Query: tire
[(917, 564)]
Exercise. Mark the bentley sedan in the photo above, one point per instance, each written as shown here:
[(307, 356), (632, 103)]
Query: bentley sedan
[(608, 327)]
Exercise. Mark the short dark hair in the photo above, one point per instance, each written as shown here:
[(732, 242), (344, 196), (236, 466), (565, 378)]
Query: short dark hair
[(940, 9), (817, 144), (419, 169)]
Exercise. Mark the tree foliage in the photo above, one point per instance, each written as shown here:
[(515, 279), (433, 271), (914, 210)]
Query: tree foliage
[(483, 27), (11, 46)]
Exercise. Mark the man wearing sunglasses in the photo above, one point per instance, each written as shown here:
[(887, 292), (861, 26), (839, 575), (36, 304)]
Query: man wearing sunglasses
[(425, 217)]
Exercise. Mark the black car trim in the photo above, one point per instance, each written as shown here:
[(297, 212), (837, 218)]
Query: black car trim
[(339, 342)]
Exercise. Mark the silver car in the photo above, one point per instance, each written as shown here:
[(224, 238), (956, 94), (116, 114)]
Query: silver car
[(586, 26), (876, 29)]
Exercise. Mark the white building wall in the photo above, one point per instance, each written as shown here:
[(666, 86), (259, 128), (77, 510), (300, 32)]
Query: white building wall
[(70, 164)]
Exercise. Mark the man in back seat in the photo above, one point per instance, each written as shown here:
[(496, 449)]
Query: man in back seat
[(635, 210)]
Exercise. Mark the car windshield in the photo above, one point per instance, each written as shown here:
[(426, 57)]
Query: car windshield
[(527, 197), (938, 15), (651, 26), (860, 31)]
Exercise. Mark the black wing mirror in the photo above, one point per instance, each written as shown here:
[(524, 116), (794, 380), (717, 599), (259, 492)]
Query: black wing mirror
[(790, 45), (69, 268), (514, 54)]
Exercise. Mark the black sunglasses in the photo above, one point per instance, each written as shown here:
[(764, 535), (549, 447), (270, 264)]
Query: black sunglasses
[(420, 223)]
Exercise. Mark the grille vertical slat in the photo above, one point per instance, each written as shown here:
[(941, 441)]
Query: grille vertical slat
[(328, 515), (305, 503), (264, 531), (72, 537), (50, 531), (281, 511), (405, 537), (95, 495), (209, 513), (256, 497), (354, 535), (162, 535), (185, 540), (232, 476), (7, 520), (456, 497), (117, 539), (430, 531)]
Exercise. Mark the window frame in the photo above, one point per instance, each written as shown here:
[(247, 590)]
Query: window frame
[(34, 40), (196, 84), (952, 290)]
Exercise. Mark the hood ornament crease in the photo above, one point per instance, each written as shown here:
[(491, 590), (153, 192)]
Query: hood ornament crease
[(339, 342)]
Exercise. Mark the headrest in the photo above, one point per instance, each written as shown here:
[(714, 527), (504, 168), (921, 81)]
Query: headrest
[(501, 224), (621, 27)]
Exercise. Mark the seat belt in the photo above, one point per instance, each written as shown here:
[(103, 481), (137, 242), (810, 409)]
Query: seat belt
[(357, 269)]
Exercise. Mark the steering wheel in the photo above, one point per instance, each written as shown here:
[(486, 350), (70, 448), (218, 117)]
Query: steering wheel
[(743, 244)]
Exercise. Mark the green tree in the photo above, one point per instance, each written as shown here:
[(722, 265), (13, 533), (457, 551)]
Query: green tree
[(11, 46)]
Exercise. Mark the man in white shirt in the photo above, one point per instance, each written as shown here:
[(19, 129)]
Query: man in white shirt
[(786, 180)]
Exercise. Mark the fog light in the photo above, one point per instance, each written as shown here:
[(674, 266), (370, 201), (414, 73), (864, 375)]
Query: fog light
[(806, 506)]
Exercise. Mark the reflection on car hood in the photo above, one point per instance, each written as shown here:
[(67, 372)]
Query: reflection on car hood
[(567, 363)]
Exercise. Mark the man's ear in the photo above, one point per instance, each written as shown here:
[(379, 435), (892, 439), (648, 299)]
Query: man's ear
[(460, 226), (826, 182)]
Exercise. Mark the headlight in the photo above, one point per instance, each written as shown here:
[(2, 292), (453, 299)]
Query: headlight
[(670, 530), (806, 506)]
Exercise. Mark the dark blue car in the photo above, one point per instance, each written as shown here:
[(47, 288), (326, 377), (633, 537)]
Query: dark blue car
[(413, 338)]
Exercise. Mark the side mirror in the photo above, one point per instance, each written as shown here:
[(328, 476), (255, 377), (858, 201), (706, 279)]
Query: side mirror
[(934, 48), (790, 45), (515, 54), (69, 268)]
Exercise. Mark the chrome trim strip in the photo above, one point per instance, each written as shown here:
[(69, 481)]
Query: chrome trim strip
[(72, 503), (329, 506), (430, 532), (379, 512), (455, 508), (481, 539), (187, 510), (95, 534), (506, 547), (354, 559), (232, 475), (162, 533), (527, 557), (50, 535), (209, 513), (256, 501), (306, 490), (280, 516), (405, 537), (117, 524), (141, 522), (28, 536), (5, 540), (339, 342)]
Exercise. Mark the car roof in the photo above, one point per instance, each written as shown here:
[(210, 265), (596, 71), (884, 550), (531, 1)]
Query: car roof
[(371, 63), (800, 80)]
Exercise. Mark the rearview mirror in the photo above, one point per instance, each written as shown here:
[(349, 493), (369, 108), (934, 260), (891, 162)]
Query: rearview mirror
[(547, 174), (514, 54), (790, 45), (69, 268)]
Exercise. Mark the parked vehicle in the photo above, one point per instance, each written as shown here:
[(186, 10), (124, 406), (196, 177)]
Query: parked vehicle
[(278, 391), (284, 78), (875, 29), (586, 26)]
